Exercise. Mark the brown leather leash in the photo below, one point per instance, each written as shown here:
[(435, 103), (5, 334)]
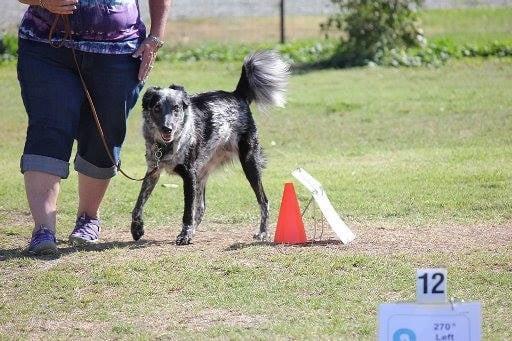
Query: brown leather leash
[(68, 36)]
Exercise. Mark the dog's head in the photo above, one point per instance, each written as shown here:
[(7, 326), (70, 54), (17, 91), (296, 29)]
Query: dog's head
[(165, 111)]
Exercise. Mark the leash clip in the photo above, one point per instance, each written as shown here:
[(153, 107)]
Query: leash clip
[(157, 154)]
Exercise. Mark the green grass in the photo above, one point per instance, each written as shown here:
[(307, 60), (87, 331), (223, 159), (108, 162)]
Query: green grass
[(256, 292), (408, 147), (417, 146), (477, 25), (398, 151), (469, 25), (464, 26)]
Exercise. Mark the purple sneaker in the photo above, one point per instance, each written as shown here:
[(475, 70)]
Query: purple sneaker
[(43, 242), (87, 231)]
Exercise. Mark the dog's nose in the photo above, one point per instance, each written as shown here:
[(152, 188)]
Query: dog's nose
[(166, 130)]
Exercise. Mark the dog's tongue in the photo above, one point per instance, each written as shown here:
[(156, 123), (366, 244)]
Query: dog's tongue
[(166, 136)]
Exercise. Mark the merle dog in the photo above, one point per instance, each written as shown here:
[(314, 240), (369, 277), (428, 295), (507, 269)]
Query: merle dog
[(193, 135)]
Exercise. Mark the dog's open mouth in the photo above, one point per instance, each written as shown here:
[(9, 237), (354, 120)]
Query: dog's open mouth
[(167, 137)]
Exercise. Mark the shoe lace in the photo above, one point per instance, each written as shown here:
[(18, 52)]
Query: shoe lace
[(87, 226), (43, 233)]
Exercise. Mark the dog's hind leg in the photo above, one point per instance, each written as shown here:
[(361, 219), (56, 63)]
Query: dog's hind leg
[(189, 193), (146, 189), (252, 163), (200, 205)]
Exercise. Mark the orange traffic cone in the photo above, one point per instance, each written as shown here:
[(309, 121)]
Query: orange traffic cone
[(290, 228)]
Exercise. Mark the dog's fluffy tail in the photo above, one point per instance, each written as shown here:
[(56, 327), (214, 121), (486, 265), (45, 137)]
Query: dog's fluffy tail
[(264, 79)]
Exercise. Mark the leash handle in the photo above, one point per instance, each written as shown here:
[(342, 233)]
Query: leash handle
[(68, 35)]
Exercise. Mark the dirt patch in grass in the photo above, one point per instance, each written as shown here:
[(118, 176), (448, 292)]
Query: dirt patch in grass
[(371, 239), (214, 317), (381, 239), (168, 311), (15, 218), (385, 239), (64, 326)]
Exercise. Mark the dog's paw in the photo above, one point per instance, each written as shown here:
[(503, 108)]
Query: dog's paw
[(183, 239), (137, 230), (262, 236)]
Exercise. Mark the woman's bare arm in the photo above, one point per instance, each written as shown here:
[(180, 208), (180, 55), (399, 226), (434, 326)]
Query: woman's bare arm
[(159, 12)]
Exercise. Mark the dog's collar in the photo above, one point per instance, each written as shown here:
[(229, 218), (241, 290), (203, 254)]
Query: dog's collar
[(164, 148)]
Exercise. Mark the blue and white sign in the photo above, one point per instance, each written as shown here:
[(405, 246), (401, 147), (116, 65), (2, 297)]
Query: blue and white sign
[(430, 322), (431, 318)]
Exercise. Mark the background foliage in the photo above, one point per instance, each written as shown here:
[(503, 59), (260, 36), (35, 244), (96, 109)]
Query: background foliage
[(371, 29)]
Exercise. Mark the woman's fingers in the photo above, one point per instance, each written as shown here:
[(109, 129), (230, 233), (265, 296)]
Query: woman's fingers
[(148, 57), (60, 6), (61, 3), (138, 52), (69, 9), (148, 53)]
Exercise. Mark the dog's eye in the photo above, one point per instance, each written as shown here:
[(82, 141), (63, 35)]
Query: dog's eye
[(157, 108), (175, 107)]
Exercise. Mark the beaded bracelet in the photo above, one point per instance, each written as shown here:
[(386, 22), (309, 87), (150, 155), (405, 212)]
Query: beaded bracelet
[(158, 42), (41, 3)]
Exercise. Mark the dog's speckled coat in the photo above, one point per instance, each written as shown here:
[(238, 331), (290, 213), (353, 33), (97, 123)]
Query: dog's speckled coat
[(199, 133)]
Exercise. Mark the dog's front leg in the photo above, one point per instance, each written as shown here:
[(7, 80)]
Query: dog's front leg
[(200, 205), (148, 184), (189, 193)]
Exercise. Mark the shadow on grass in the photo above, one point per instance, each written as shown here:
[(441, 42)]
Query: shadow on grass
[(303, 68), (19, 253), (241, 246), (338, 60)]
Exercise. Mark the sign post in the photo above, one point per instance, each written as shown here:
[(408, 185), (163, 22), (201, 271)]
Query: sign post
[(431, 286), (432, 317), (333, 218)]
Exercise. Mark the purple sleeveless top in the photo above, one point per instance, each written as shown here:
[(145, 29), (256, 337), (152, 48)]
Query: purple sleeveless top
[(99, 26)]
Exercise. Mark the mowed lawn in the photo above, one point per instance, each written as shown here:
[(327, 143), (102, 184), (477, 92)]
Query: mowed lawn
[(473, 26), (417, 161)]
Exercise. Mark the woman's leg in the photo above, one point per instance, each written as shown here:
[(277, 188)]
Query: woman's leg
[(114, 87), (90, 193), (52, 97), (42, 192)]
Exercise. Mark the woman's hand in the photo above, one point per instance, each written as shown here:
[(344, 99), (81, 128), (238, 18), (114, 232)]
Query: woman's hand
[(59, 6), (147, 52)]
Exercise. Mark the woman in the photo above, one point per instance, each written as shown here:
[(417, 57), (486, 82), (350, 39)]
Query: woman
[(114, 56)]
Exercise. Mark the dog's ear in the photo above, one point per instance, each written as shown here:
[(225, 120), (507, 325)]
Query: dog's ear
[(177, 87), (186, 97), (186, 100), (150, 97)]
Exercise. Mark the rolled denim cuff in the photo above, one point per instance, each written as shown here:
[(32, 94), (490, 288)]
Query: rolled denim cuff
[(85, 167), (45, 164)]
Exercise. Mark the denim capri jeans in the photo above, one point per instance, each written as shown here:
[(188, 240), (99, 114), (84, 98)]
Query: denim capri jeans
[(59, 113)]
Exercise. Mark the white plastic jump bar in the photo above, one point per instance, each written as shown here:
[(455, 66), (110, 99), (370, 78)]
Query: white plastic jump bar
[(333, 219)]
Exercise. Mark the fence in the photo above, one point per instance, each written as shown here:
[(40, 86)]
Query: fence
[(225, 21), (246, 20)]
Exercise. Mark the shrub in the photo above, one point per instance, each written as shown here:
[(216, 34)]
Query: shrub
[(372, 29), (8, 47), (297, 52)]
